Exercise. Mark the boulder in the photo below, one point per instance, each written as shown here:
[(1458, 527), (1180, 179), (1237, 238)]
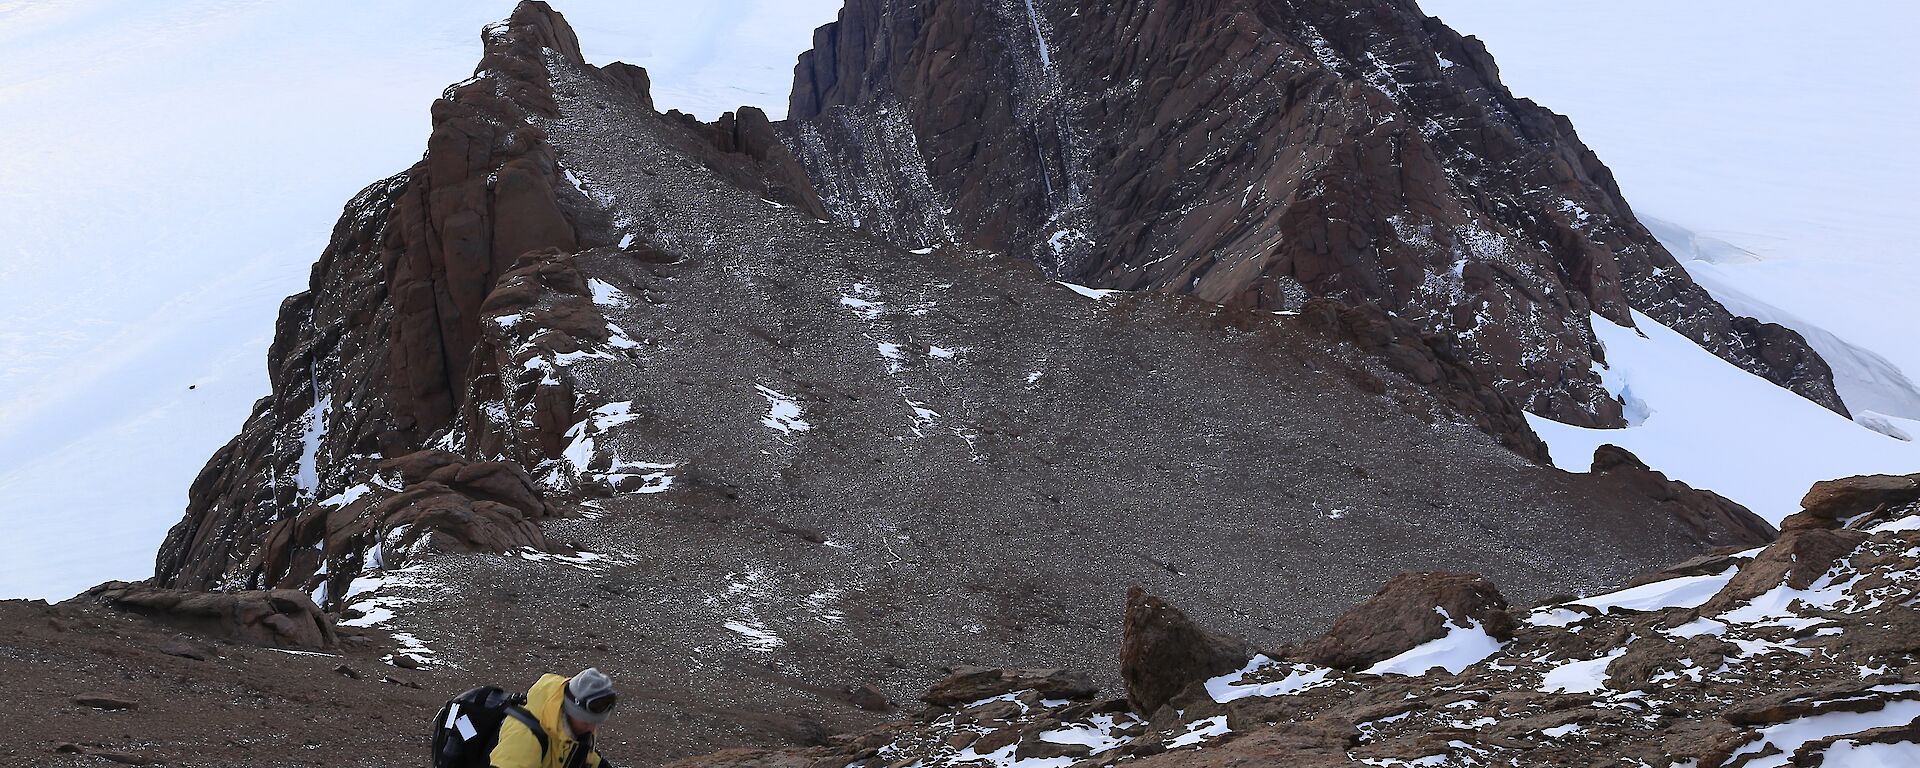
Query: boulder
[(281, 618), (869, 698), (1162, 652), (105, 702), (1831, 503), (1403, 615)]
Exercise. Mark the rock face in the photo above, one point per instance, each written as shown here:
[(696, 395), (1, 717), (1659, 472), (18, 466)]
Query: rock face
[(1257, 153), (1163, 652), (388, 347), (281, 618), (1719, 519), (1410, 610)]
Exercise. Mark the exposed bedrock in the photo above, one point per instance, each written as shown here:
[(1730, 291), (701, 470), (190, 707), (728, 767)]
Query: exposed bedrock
[(383, 350), (1257, 153)]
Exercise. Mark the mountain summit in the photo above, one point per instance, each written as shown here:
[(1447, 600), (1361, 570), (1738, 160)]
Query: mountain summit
[(1257, 153)]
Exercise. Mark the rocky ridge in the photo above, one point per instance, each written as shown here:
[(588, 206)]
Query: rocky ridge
[(1256, 153), (1799, 653)]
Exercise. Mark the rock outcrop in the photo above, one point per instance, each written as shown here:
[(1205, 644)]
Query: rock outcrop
[(1822, 533), (388, 350), (1412, 609), (965, 685), (1717, 519), (1163, 652), (281, 618), (1257, 153)]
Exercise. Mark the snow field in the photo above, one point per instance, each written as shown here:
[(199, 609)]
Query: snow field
[(1715, 426)]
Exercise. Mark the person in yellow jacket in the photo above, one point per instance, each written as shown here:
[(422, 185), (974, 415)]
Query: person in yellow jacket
[(569, 711)]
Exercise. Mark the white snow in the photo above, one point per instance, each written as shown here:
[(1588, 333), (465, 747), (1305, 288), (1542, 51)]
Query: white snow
[(1299, 678), (758, 638), (1682, 592), (783, 413), (1847, 753), (1589, 676), (1698, 627), (605, 294), (1091, 293), (581, 437), (1562, 731), (314, 429), (1788, 736), (1046, 54), (1200, 731), (1097, 734), (867, 310), (1867, 381), (1460, 648), (1717, 427)]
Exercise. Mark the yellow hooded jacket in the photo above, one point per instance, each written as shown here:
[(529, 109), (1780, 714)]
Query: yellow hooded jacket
[(518, 748)]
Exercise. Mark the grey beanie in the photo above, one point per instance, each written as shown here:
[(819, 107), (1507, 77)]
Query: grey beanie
[(585, 686)]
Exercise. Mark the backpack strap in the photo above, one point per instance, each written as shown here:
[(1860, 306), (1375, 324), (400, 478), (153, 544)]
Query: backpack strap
[(532, 723)]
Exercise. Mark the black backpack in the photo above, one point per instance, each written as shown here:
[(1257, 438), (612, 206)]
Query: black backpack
[(467, 728)]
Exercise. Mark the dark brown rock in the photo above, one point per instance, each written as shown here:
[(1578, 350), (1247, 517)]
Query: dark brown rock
[(1406, 613), (746, 149), (281, 618), (994, 741), (1792, 705), (1163, 652), (1041, 749), (392, 324), (1255, 154), (1312, 744), (869, 698), (1431, 362), (1715, 518), (969, 684), (1798, 558), (186, 650), (103, 701), (1830, 503)]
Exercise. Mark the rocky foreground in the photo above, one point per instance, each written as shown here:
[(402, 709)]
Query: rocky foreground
[(1799, 653)]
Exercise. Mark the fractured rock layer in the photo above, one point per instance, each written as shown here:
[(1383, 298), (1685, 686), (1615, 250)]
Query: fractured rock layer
[(1256, 153)]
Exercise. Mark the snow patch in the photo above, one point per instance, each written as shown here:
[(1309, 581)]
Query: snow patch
[(783, 413), (1460, 648), (1091, 293)]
